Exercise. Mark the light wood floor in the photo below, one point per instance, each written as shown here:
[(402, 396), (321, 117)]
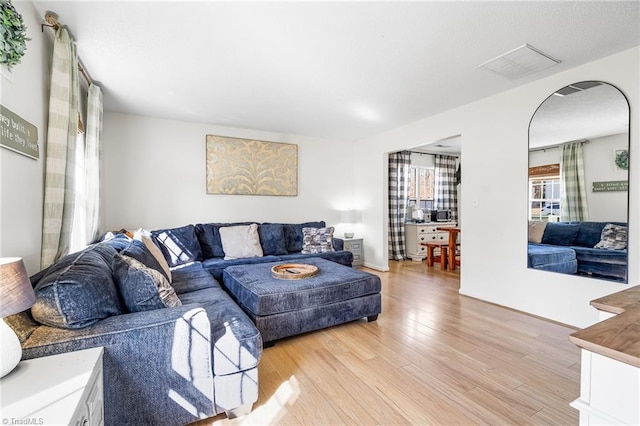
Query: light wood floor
[(432, 357)]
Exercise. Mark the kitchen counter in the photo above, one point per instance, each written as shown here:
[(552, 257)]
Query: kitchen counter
[(617, 337)]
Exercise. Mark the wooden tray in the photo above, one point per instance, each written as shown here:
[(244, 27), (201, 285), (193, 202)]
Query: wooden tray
[(293, 271)]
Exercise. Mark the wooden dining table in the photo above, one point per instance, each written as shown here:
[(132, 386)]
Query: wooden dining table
[(453, 241)]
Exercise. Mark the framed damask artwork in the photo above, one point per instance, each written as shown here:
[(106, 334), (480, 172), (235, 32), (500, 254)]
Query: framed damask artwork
[(251, 167)]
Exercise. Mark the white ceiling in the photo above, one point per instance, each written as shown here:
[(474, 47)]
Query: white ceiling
[(340, 70), (599, 111)]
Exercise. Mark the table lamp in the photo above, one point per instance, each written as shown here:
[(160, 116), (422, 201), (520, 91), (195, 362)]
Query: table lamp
[(16, 295), (349, 216)]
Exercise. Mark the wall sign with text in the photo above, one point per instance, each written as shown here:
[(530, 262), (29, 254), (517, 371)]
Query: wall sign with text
[(610, 186), (17, 134)]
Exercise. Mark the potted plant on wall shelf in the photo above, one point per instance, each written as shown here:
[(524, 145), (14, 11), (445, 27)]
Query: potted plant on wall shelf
[(14, 35)]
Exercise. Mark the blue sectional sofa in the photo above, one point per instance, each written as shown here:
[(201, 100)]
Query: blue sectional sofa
[(572, 248), (172, 355)]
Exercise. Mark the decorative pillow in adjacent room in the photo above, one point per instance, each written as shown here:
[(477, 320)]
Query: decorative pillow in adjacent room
[(241, 241), (560, 233), (142, 288), (613, 237), (536, 231), (78, 290), (317, 240)]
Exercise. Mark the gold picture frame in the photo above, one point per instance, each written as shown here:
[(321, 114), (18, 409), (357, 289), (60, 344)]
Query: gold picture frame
[(251, 167)]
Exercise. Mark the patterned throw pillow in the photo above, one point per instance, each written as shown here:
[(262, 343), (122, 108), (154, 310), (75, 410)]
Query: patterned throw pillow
[(613, 237), (142, 288), (317, 240)]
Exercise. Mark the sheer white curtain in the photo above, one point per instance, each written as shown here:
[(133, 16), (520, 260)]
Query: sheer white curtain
[(93, 142), (60, 167)]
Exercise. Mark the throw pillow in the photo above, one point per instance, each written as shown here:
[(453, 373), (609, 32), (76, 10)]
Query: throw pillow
[(560, 233), (272, 239), (317, 240), (178, 245), (293, 234), (590, 233), (139, 251), (209, 237), (536, 231), (145, 237), (78, 290), (613, 237), (241, 241), (142, 288)]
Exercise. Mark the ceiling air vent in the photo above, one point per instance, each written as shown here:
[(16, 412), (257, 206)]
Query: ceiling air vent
[(519, 62), (577, 87)]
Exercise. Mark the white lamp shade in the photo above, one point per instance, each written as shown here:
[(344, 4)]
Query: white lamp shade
[(350, 216)]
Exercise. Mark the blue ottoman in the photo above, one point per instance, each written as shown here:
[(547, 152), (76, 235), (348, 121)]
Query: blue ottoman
[(552, 258), (282, 308)]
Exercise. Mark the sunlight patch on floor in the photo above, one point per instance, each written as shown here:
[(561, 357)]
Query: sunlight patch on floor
[(275, 408)]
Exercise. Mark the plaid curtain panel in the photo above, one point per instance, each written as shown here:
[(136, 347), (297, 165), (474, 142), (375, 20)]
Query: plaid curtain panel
[(573, 201), (399, 163), (62, 131), (446, 190)]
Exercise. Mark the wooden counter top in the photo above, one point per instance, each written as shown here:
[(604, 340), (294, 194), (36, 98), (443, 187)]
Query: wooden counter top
[(617, 337)]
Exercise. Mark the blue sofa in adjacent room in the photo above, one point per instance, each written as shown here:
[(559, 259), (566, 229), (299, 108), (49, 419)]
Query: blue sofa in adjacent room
[(589, 248)]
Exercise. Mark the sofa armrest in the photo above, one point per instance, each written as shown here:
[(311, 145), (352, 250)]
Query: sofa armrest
[(157, 364), (338, 243)]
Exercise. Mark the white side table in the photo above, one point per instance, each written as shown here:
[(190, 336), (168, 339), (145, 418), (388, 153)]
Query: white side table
[(354, 245), (64, 389)]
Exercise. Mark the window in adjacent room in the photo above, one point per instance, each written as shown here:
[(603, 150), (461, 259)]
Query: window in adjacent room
[(421, 186), (544, 192)]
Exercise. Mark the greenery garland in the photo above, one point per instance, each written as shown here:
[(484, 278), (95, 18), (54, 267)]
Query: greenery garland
[(14, 35), (622, 159)]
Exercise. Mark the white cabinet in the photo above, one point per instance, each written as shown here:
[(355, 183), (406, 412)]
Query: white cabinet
[(610, 368), (354, 245), (416, 233), (609, 391), (64, 389)]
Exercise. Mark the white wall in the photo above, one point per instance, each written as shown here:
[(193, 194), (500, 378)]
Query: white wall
[(154, 177), (494, 158), (599, 167), (424, 160), (21, 178)]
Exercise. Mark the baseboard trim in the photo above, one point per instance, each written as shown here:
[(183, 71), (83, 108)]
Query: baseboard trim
[(376, 267), (463, 293)]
